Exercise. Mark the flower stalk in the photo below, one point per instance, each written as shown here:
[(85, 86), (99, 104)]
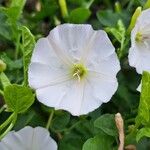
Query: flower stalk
[(50, 119), (63, 7)]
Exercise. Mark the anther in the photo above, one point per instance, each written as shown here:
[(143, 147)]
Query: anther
[(77, 74)]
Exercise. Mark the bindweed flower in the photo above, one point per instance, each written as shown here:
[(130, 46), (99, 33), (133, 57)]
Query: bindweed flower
[(139, 53), (74, 68), (28, 138)]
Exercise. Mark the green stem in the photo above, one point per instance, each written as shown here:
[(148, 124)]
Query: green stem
[(10, 126), (50, 119), (17, 47), (2, 108), (63, 7), (69, 129), (2, 126)]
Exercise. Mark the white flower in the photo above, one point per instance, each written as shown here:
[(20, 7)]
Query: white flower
[(74, 68), (139, 53), (28, 138)]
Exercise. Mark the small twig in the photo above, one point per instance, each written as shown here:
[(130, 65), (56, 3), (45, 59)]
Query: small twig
[(120, 126)]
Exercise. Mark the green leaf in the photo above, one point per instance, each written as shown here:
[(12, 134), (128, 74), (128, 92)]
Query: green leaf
[(12, 64), (115, 33), (15, 10), (18, 98), (77, 134), (4, 80), (61, 120), (71, 142), (144, 106), (28, 43), (79, 15), (119, 32), (4, 27), (143, 132), (106, 123), (99, 142), (109, 18), (13, 13), (147, 4), (30, 118)]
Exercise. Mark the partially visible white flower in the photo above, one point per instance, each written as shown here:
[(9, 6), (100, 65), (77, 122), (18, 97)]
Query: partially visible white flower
[(74, 68), (139, 53), (28, 138)]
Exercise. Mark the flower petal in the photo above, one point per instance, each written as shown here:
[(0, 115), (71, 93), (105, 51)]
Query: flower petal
[(72, 100), (89, 102), (133, 56), (108, 66), (41, 75), (73, 96), (45, 53), (103, 86), (99, 47), (28, 138), (78, 98), (142, 20), (139, 57), (72, 39), (69, 97)]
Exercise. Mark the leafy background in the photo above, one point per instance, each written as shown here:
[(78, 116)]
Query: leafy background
[(22, 22)]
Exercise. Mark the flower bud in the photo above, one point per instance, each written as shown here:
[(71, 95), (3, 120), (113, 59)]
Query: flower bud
[(2, 66), (118, 7), (120, 126), (134, 18)]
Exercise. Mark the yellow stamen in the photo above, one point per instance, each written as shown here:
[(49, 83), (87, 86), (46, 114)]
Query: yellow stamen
[(79, 71), (139, 37)]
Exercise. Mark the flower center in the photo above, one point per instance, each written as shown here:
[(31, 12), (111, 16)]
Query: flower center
[(139, 37), (79, 71)]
